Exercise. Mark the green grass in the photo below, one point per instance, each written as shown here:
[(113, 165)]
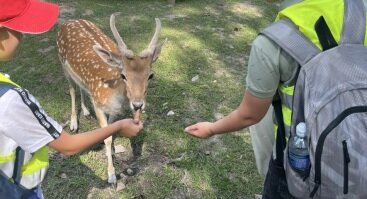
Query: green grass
[(208, 38)]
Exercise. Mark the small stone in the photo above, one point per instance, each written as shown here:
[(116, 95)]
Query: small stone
[(64, 176), (207, 152), (257, 196), (120, 149), (129, 171), (195, 78), (120, 186), (170, 113)]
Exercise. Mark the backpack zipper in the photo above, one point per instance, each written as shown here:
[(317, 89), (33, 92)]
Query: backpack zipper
[(320, 143), (346, 164)]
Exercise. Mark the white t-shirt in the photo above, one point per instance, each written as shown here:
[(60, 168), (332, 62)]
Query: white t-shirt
[(24, 123)]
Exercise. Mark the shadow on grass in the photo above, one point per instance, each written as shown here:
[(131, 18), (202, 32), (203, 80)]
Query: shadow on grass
[(69, 177)]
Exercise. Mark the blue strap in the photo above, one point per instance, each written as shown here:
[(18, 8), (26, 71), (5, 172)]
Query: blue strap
[(4, 87)]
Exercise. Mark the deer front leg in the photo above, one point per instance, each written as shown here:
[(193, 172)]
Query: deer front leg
[(108, 142), (110, 168), (74, 116)]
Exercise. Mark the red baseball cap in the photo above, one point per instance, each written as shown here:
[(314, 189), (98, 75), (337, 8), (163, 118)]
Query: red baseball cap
[(28, 16)]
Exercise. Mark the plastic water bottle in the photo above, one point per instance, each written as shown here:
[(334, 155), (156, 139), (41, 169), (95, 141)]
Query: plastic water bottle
[(298, 154)]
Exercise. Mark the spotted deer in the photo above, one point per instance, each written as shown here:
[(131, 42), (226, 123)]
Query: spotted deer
[(109, 73)]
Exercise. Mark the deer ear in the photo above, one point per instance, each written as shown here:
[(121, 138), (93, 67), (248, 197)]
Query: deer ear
[(157, 50), (107, 56)]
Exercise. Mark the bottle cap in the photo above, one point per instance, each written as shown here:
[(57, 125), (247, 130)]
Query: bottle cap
[(301, 129)]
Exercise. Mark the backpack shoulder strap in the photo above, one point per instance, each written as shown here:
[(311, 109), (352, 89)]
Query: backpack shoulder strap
[(354, 24), (291, 40), (4, 87), (19, 154), (280, 140)]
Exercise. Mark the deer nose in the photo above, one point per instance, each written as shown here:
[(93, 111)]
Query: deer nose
[(137, 105)]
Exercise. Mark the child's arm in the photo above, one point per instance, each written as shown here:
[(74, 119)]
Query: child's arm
[(71, 144)]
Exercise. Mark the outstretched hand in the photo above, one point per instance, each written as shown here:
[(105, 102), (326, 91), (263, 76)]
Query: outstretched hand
[(200, 130)]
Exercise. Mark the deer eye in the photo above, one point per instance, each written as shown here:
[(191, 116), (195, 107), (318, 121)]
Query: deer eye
[(123, 77), (151, 76)]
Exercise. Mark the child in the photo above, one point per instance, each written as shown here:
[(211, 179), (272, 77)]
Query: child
[(24, 124)]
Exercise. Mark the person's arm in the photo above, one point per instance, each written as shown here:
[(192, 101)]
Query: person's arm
[(71, 144), (251, 110)]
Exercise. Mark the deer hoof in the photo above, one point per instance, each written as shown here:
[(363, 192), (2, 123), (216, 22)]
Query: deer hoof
[(112, 179), (73, 125)]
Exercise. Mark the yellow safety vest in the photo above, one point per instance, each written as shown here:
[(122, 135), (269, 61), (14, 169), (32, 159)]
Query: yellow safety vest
[(35, 165), (304, 15)]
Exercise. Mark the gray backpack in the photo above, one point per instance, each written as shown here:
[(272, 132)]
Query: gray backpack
[(331, 98)]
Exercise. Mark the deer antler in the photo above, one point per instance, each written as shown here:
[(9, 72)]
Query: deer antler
[(154, 41), (121, 44)]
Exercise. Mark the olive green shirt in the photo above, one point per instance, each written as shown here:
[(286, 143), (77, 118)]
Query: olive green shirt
[(269, 65)]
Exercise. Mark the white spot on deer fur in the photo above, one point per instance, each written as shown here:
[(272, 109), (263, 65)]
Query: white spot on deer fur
[(105, 85), (109, 69)]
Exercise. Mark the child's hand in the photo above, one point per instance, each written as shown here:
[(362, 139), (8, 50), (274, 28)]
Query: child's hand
[(200, 130), (129, 127)]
